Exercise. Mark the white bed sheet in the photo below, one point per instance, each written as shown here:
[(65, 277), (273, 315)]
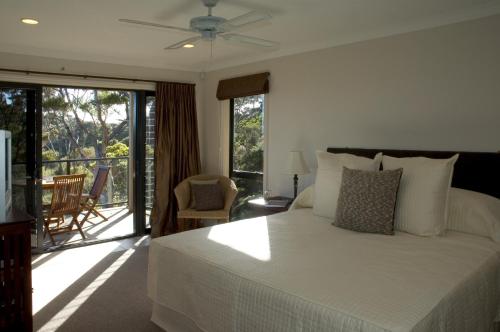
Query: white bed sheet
[(295, 272)]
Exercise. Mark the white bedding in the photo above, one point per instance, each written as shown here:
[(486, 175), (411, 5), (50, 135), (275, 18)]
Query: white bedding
[(295, 272)]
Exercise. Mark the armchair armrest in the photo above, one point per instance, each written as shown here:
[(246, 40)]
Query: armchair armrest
[(183, 195), (230, 195)]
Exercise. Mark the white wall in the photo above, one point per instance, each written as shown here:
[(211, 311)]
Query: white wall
[(433, 89)]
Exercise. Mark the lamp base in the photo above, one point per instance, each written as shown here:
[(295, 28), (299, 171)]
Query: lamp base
[(295, 185)]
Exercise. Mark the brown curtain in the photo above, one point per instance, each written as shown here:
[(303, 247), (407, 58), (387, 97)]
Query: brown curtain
[(177, 152)]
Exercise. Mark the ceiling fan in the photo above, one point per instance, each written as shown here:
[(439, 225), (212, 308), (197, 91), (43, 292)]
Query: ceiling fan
[(210, 27)]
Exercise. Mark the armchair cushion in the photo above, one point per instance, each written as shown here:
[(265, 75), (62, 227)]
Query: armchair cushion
[(208, 196), (192, 202)]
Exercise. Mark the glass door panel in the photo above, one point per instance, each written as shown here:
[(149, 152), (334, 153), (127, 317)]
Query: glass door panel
[(85, 128), (19, 114)]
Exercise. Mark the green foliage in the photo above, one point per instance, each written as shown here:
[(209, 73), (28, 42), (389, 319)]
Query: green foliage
[(13, 112), (75, 119), (87, 123), (117, 150), (50, 155), (248, 143), (150, 152), (88, 152), (248, 151)]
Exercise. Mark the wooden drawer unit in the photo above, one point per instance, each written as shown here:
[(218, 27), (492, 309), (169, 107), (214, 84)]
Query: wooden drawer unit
[(15, 273)]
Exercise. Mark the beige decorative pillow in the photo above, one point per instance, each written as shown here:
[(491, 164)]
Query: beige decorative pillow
[(367, 200), (422, 204), (329, 178)]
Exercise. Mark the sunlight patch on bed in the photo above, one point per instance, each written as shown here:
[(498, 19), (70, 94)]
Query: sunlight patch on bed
[(250, 237)]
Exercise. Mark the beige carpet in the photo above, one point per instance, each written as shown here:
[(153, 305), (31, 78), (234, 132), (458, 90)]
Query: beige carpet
[(119, 303)]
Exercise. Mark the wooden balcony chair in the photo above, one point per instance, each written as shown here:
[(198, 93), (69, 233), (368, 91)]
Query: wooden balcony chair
[(66, 197), (90, 200), (186, 211)]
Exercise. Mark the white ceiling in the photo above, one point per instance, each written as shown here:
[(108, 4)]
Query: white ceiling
[(88, 29)]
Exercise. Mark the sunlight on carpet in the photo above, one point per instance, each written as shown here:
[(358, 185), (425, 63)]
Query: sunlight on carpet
[(74, 304), (54, 272)]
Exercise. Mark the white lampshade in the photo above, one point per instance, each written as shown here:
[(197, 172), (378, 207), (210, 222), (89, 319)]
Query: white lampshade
[(296, 163)]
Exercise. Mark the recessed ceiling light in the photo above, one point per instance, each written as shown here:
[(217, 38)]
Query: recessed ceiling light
[(31, 21), (188, 46)]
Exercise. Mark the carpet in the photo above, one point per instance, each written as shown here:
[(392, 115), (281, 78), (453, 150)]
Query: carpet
[(109, 297)]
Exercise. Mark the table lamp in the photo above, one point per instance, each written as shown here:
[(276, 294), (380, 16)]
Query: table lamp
[(296, 165)]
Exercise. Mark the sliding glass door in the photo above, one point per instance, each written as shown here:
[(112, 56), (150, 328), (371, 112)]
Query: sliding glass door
[(60, 130), (84, 129)]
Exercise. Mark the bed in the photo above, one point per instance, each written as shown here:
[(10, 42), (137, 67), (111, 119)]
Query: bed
[(293, 271)]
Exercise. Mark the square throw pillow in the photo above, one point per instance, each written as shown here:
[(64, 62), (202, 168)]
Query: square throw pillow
[(192, 202), (329, 178), (367, 201), (208, 196), (421, 208)]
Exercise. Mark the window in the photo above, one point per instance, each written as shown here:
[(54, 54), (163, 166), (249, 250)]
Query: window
[(246, 155)]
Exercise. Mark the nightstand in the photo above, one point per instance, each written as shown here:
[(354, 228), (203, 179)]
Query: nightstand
[(266, 207)]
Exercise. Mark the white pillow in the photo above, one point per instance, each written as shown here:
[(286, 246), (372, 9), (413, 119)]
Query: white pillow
[(421, 207), (474, 213), (329, 178)]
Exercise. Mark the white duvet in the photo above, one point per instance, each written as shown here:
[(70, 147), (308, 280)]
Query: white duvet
[(295, 272)]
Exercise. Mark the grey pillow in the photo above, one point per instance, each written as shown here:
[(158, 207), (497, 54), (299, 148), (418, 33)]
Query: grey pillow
[(192, 201), (208, 196), (367, 200)]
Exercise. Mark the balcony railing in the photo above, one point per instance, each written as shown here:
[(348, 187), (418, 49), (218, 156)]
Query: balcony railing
[(250, 185), (117, 187), (118, 180)]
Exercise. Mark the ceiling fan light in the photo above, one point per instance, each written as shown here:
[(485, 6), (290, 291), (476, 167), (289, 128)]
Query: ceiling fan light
[(188, 46), (31, 21)]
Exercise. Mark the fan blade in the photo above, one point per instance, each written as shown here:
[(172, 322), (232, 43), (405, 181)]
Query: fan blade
[(249, 40), (182, 43), (156, 25), (245, 19)]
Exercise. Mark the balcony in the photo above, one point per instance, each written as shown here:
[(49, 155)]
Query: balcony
[(115, 202)]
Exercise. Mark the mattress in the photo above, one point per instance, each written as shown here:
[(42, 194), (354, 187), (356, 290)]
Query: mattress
[(294, 271)]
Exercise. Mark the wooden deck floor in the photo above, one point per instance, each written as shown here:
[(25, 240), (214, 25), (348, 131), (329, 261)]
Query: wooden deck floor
[(120, 223)]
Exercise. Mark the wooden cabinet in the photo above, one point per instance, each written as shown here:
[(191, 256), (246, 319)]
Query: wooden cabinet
[(15, 272)]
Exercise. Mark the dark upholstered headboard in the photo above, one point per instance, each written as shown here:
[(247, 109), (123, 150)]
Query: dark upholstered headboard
[(478, 171)]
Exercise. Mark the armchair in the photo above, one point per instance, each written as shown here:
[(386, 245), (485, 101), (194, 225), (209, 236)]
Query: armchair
[(183, 195)]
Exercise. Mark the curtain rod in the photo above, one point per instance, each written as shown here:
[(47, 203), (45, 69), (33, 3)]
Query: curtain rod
[(28, 72)]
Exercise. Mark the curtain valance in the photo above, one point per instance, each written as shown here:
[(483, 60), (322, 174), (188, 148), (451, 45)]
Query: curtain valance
[(243, 86)]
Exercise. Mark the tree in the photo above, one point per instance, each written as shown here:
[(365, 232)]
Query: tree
[(84, 118), (248, 151), (13, 118), (87, 124), (248, 143)]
